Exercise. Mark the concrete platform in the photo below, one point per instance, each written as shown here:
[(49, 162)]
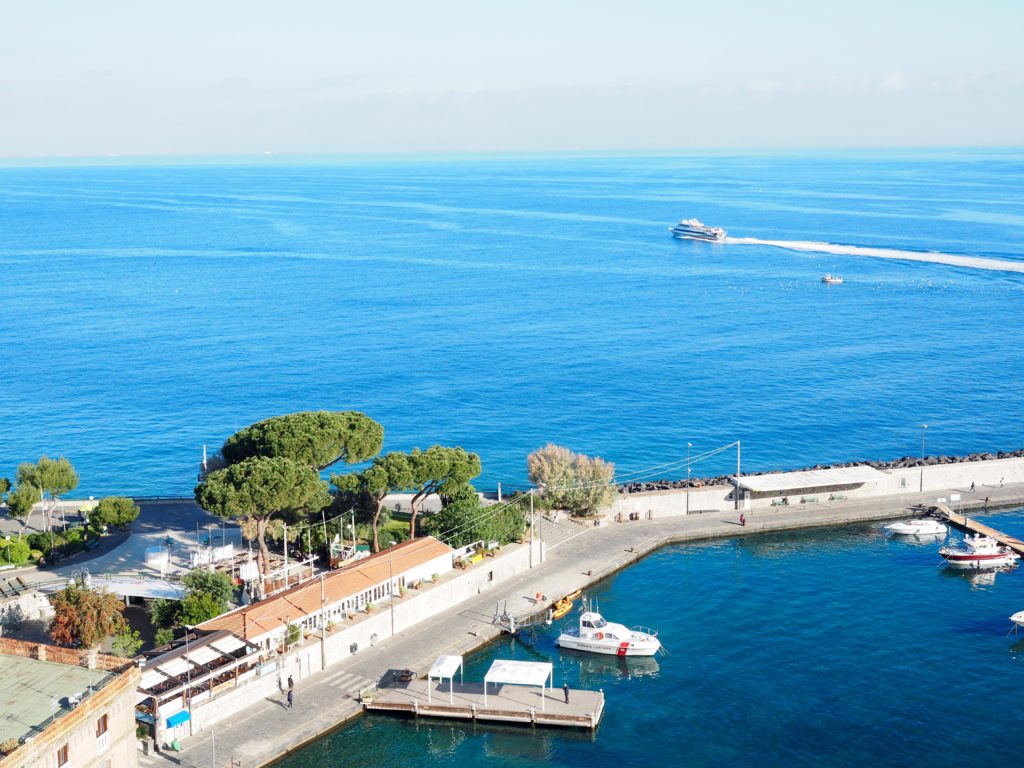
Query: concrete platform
[(505, 703)]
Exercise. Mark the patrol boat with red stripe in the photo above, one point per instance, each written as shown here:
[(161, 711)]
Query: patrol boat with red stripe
[(595, 635)]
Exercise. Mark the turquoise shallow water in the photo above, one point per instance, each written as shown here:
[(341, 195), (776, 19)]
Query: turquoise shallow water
[(835, 647), (503, 302)]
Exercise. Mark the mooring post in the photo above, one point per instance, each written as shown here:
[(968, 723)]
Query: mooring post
[(473, 709)]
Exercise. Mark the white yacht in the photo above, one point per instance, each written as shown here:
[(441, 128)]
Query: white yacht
[(693, 229), (832, 279), (595, 635), (920, 527)]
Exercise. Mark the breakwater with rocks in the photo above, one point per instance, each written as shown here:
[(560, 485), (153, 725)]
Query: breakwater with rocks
[(905, 462)]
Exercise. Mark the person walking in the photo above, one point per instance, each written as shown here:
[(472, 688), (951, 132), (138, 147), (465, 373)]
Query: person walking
[(743, 520), (972, 487), (291, 698), (291, 683), (565, 690)]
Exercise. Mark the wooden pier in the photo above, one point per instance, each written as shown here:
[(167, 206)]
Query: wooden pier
[(505, 703), (965, 523)]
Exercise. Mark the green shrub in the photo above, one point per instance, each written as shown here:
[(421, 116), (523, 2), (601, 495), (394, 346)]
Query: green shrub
[(39, 541), (163, 636), (15, 552)]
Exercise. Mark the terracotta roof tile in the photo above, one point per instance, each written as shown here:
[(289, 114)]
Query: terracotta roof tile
[(295, 604)]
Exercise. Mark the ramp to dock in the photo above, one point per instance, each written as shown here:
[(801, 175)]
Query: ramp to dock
[(505, 703), (967, 524)]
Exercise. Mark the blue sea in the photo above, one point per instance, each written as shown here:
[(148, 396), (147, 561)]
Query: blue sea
[(501, 302), (837, 647)]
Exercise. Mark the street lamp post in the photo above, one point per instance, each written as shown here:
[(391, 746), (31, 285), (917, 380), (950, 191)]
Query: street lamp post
[(188, 677), (688, 447), (923, 428)]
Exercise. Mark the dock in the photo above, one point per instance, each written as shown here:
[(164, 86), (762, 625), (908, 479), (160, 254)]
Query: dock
[(965, 523), (505, 703)]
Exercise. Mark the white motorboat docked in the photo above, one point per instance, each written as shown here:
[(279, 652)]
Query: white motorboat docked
[(1018, 618), (920, 527), (595, 635), (979, 551)]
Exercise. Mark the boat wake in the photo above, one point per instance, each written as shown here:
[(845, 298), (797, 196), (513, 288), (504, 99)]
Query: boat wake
[(957, 260)]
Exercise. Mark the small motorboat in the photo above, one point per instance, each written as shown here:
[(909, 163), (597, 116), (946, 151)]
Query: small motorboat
[(595, 635), (1018, 618), (979, 551), (832, 280), (920, 527)]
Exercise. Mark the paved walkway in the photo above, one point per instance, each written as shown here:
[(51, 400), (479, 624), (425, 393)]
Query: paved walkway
[(265, 731)]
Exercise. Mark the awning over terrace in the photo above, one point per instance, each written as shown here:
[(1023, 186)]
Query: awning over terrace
[(210, 656), (519, 673), (779, 482), (445, 667)]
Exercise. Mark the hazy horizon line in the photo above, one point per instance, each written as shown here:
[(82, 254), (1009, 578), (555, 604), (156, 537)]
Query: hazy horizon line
[(284, 158)]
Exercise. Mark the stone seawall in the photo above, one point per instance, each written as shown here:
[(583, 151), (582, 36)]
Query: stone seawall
[(942, 476)]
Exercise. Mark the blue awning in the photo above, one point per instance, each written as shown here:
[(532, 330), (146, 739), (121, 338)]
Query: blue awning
[(178, 718)]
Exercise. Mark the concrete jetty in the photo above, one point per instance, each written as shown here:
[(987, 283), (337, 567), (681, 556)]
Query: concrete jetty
[(579, 556), (503, 704)]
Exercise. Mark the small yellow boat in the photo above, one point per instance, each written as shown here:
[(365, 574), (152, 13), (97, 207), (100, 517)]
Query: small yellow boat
[(561, 608), (574, 595)]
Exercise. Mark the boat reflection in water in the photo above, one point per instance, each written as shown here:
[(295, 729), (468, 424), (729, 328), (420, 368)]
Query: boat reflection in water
[(977, 579), (595, 670)]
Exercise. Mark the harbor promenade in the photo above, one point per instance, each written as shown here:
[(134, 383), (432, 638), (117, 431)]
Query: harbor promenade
[(583, 555)]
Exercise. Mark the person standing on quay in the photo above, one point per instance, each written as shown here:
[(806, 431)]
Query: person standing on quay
[(291, 698), (565, 690)]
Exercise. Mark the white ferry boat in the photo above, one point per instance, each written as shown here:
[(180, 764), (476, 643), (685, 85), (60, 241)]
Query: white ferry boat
[(695, 230), (595, 635)]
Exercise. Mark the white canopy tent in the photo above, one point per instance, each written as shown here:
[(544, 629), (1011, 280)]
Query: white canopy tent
[(520, 673), (445, 667)]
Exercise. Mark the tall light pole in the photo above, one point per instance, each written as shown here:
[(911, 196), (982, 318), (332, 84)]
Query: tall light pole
[(391, 588), (737, 474), (531, 528), (188, 677), (688, 447), (923, 428)]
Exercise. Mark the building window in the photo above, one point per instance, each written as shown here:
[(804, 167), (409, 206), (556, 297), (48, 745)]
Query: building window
[(102, 737), (62, 756)]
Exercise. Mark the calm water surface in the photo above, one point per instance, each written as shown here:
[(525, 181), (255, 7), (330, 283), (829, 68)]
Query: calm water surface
[(837, 647), (503, 302)]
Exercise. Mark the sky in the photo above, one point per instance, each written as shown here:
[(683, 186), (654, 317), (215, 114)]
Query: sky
[(138, 77)]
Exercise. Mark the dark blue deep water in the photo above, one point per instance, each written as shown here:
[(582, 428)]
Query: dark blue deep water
[(835, 647), (502, 302)]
